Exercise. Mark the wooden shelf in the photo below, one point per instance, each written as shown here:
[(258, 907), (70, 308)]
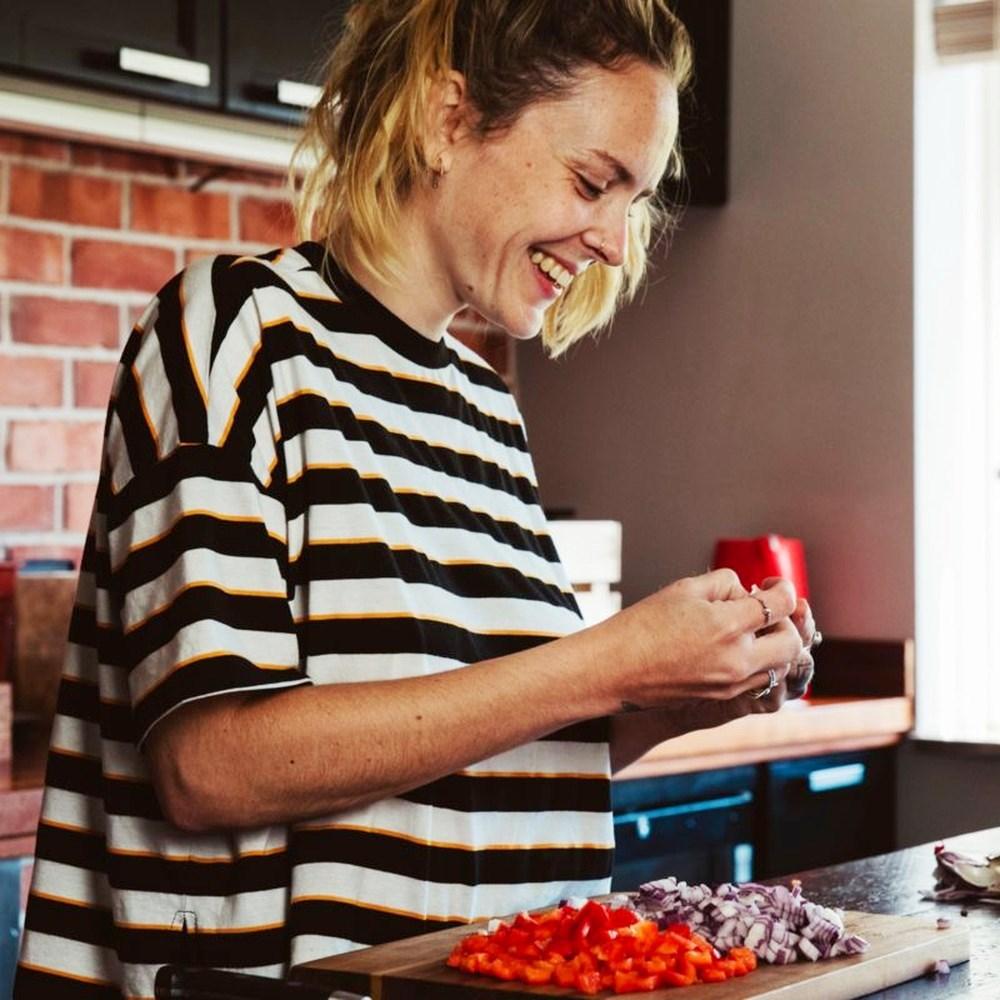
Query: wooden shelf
[(800, 729)]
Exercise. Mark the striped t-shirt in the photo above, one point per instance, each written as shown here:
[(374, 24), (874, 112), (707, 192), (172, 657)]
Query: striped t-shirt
[(298, 488)]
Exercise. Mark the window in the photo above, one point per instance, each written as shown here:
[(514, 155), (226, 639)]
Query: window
[(957, 379)]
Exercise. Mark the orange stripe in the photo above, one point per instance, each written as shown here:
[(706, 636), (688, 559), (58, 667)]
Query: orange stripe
[(69, 902), (207, 656), (215, 515), (409, 838), (363, 615), (187, 346), (65, 975), (378, 908), (202, 930), (145, 411), (199, 583), (196, 858), (71, 827), (426, 555), (236, 388)]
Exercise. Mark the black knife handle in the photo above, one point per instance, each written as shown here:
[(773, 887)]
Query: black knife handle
[(181, 982)]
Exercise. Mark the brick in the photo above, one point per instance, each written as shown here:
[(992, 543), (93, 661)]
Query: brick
[(26, 381), (20, 554), (17, 144), (26, 508), (78, 502), (65, 197), (260, 178), (37, 319), (104, 264), (92, 383), (267, 220), (26, 255), (125, 161), (134, 315), (53, 446), (176, 212)]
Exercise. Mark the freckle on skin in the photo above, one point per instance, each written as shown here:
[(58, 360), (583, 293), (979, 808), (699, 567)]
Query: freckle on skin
[(420, 718)]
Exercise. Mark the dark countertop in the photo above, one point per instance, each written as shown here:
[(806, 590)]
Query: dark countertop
[(892, 883)]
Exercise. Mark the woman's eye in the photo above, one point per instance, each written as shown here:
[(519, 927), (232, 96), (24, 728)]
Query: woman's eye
[(588, 189)]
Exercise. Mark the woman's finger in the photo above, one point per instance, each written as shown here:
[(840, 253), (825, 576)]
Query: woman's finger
[(762, 609), (716, 585), (757, 684)]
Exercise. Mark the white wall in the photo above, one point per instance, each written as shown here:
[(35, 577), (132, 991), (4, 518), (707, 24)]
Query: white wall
[(765, 382)]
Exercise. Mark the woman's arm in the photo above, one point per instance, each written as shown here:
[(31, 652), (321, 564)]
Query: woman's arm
[(249, 760)]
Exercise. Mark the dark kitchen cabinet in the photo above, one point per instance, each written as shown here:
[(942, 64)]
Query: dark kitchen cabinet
[(824, 810), (698, 827), (267, 64), (165, 50), (704, 111), (754, 821)]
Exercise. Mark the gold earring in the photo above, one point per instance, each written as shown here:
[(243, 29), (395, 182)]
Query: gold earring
[(437, 172)]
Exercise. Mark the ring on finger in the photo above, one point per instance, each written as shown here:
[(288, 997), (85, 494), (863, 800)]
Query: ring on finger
[(817, 638), (768, 614), (772, 683)]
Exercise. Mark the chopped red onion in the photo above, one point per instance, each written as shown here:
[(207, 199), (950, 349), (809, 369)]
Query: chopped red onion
[(777, 923)]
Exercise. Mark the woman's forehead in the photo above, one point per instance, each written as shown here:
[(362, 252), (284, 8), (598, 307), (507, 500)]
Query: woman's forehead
[(624, 118)]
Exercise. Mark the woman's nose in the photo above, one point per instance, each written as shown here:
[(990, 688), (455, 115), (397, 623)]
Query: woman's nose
[(609, 239)]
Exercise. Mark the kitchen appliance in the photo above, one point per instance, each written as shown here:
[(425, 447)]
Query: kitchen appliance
[(755, 559)]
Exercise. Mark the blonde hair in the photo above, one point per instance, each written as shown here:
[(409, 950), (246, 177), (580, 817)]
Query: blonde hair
[(361, 150)]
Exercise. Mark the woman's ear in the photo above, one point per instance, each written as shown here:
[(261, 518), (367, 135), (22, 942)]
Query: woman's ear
[(450, 120)]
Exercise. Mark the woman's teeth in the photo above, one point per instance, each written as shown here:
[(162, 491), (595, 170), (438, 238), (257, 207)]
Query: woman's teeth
[(552, 268)]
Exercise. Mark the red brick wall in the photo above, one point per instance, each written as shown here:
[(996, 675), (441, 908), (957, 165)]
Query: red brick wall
[(86, 234)]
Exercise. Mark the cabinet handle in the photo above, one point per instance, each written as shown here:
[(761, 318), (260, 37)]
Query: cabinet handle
[(197, 74), (644, 820), (300, 95), (829, 779)]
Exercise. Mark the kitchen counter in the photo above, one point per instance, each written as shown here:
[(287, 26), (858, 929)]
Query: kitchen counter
[(800, 729), (892, 883)]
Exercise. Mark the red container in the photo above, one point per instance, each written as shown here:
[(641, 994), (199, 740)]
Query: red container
[(755, 559), (8, 580)]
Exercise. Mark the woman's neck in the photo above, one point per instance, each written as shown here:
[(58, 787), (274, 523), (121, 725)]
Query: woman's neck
[(419, 293)]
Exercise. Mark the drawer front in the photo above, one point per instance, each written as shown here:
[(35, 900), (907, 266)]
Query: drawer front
[(165, 50), (273, 74)]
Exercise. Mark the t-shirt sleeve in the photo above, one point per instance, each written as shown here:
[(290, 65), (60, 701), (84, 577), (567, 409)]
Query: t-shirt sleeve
[(195, 519)]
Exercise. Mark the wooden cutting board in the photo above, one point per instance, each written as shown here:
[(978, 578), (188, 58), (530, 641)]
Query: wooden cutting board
[(902, 948)]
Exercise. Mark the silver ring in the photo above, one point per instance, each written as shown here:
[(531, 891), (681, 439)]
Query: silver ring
[(816, 639), (767, 611), (772, 683)]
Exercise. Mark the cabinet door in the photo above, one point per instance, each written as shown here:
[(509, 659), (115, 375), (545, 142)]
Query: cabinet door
[(704, 108), (273, 60), (824, 810), (166, 50)]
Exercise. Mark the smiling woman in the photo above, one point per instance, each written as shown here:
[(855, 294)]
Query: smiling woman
[(413, 86), (328, 684)]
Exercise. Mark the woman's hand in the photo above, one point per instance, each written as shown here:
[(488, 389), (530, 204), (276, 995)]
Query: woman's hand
[(702, 637), (800, 673)]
